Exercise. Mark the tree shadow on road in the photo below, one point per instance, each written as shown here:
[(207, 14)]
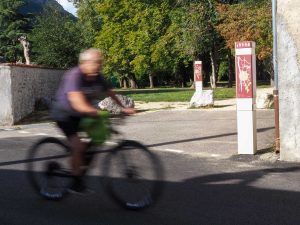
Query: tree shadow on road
[(243, 197), (224, 198), (205, 137)]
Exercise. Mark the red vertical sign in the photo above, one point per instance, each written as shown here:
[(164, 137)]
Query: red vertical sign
[(198, 72), (244, 72)]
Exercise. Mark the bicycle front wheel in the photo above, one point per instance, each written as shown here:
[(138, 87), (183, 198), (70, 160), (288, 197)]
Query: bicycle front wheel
[(49, 168), (133, 175)]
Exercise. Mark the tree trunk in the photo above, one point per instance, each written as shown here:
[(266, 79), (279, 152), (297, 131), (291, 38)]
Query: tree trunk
[(120, 82), (132, 82), (25, 45), (151, 80), (272, 82), (125, 83), (183, 80), (213, 71), (193, 84), (230, 70)]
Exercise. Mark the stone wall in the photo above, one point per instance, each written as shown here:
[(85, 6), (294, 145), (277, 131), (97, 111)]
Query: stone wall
[(21, 87), (289, 78), (6, 117)]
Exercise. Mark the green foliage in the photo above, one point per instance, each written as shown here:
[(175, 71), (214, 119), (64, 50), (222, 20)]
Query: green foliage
[(223, 71), (173, 94), (162, 38), (160, 94), (198, 26), (129, 34), (56, 39), (12, 26), (89, 19), (169, 52)]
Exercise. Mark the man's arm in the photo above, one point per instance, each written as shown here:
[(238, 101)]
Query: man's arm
[(79, 103), (112, 94)]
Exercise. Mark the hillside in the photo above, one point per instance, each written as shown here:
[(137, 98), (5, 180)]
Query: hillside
[(36, 7)]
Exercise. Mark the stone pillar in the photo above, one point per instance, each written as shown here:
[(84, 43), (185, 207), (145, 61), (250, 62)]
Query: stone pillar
[(288, 28), (245, 64)]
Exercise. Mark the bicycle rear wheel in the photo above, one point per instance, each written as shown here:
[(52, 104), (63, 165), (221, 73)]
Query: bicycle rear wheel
[(133, 175), (48, 168)]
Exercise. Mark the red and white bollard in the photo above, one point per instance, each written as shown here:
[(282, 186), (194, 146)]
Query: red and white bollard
[(201, 98), (245, 66), (198, 76)]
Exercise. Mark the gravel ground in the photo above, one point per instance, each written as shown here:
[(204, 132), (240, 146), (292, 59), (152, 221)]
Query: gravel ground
[(227, 104)]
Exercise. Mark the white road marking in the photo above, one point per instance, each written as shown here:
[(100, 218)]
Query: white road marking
[(23, 132), (222, 182), (41, 134), (59, 136), (110, 143), (155, 149), (223, 142), (178, 151), (169, 150)]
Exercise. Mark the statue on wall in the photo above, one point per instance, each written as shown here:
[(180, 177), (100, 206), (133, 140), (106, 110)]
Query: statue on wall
[(25, 43)]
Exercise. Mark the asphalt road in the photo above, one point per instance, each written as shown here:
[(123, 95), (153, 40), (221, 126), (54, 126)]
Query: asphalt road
[(205, 182)]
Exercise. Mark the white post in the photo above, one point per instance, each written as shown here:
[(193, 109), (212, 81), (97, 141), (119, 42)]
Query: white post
[(245, 61), (200, 98), (198, 76)]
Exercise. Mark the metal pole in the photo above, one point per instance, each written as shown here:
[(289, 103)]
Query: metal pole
[(275, 64)]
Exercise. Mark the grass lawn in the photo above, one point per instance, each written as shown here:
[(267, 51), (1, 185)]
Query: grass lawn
[(172, 94)]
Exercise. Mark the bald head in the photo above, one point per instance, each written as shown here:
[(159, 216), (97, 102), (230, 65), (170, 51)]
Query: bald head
[(91, 61), (90, 54)]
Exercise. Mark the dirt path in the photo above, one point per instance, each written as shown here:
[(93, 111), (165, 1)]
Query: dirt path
[(227, 104)]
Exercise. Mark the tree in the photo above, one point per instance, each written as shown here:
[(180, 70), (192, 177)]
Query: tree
[(169, 53), (200, 38), (90, 20), (248, 20), (56, 39), (13, 25), (111, 38), (150, 38), (129, 32), (151, 23)]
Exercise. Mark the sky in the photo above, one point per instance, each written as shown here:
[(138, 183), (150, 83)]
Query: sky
[(68, 6)]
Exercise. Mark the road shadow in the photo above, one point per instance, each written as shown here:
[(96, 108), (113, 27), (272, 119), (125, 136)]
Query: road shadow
[(204, 138), (220, 198)]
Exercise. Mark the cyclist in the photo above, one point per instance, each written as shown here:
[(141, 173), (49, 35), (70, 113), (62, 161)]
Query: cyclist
[(79, 89)]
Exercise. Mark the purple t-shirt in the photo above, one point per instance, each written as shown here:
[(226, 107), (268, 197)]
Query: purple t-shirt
[(75, 80)]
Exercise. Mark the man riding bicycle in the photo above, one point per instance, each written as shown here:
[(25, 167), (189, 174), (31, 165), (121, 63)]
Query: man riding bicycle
[(79, 89)]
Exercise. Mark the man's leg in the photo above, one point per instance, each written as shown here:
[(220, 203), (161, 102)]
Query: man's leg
[(78, 149), (70, 128)]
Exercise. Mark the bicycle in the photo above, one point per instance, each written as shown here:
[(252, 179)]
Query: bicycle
[(123, 167)]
